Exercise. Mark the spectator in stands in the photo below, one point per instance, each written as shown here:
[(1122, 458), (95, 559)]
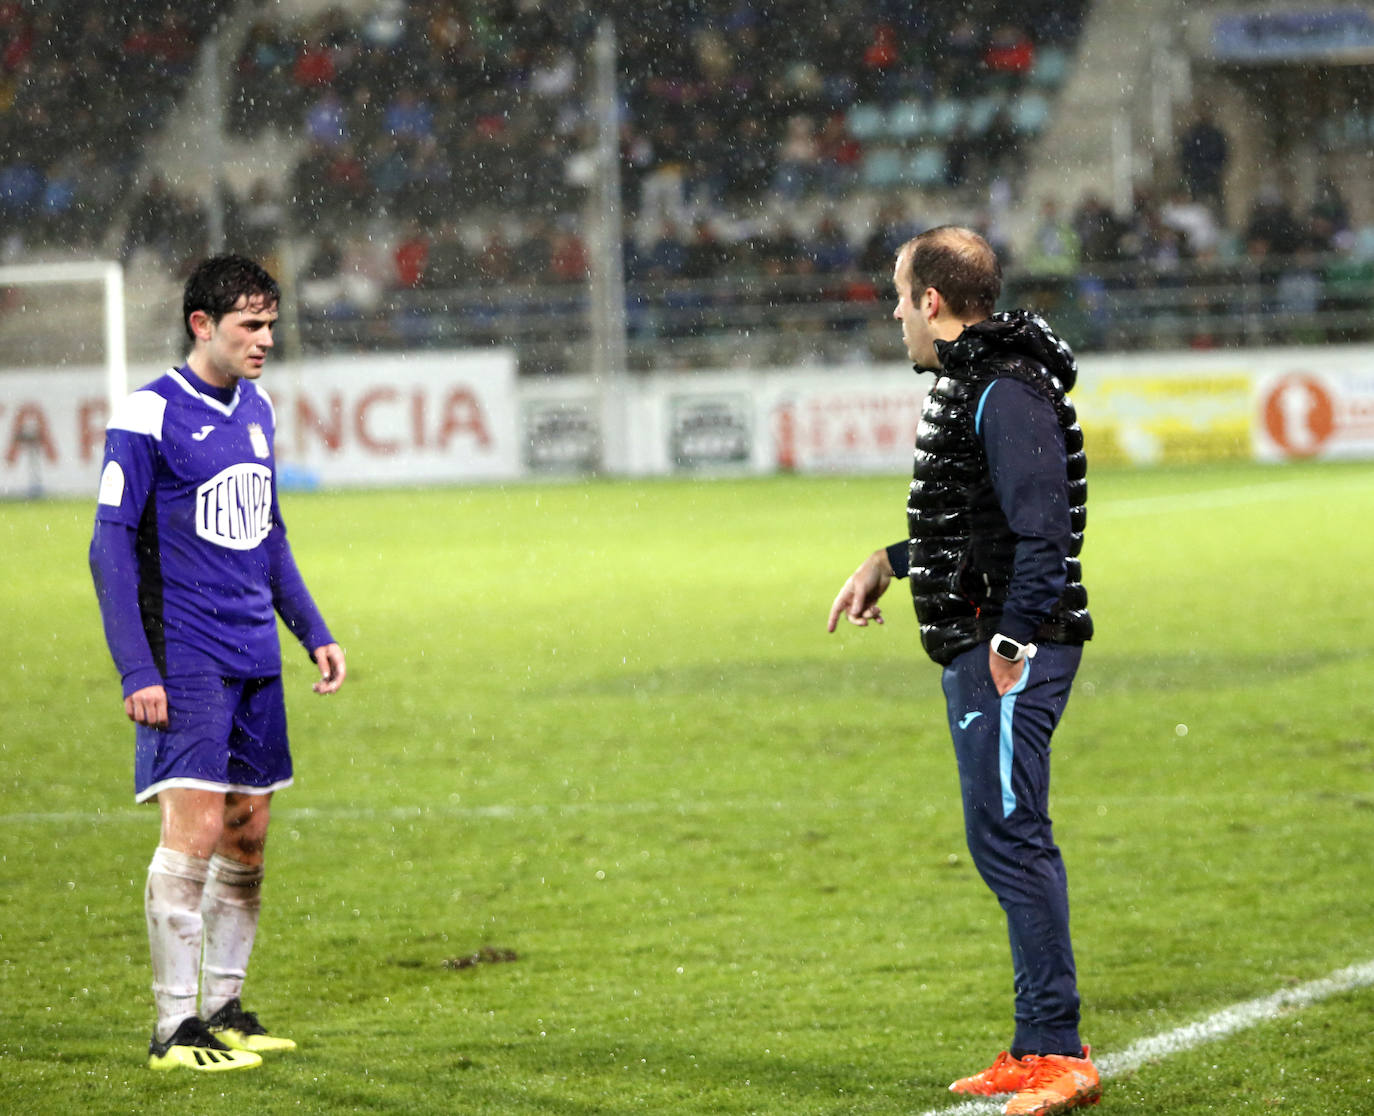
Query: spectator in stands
[(533, 254), (22, 183), (891, 229), (1009, 58), (1001, 145), (450, 263), (320, 282), (838, 157), (1329, 208), (345, 186), (1099, 231), (309, 194), (494, 263), (1272, 222), (748, 162), (312, 71), (263, 222), (326, 119), (1203, 152), (798, 161), (878, 74), (364, 275), (829, 249), (151, 222), (388, 168), (1194, 221), (262, 77), (1054, 248), (961, 157), (706, 257), (411, 257), (409, 116), (666, 255), (568, 261), (428, 190), (961, 58)]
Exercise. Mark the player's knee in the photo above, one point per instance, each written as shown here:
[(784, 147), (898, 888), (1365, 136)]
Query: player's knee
[(245, 827)]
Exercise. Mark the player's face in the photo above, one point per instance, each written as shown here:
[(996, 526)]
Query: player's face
[(916, 332), (236, 346)]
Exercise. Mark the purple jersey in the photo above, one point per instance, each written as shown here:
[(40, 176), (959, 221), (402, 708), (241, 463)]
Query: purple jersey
[(191, 477)]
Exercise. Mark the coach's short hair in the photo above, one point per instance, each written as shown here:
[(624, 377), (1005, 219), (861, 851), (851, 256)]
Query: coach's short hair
[(958, 263), (217, 284)]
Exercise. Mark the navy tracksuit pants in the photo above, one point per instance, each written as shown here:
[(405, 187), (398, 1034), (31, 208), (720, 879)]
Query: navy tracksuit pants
[(1003, 748)]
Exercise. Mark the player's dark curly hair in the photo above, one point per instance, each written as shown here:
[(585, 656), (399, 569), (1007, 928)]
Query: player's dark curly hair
[(218, 283), (958, 263)]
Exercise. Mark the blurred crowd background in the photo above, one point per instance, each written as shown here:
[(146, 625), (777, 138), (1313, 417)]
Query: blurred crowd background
[(419, 170)]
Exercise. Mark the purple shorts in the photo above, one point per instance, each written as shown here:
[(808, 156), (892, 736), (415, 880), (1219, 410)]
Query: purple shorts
[(224, 734)]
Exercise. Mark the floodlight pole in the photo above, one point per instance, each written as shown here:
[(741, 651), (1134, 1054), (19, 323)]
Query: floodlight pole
[(213, 89), (607, 290)]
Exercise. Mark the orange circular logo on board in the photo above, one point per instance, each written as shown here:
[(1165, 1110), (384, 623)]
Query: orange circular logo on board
[(1299, 414)]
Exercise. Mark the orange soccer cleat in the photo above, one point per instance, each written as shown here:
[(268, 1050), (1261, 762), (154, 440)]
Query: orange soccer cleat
[(1005, 1075), (1055, 1083)]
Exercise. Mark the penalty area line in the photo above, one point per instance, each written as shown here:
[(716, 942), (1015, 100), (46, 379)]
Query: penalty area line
[(1227, 1021)]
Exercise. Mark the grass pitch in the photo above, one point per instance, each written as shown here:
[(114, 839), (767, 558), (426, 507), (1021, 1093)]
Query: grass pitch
[(604, 822)]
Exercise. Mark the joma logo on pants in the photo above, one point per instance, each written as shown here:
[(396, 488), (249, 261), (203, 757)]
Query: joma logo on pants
[(234, 508)]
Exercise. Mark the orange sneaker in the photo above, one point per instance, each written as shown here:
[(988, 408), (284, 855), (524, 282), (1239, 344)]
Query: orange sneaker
[(1055, 1083), (1005, 1075)]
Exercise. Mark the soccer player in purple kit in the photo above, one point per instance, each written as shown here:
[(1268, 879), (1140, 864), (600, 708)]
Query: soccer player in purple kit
[(191, 563)]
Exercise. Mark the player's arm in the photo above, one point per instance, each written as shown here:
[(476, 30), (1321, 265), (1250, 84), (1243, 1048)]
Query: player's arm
[(126, 481), (297, 608), (1028, 467), (857, 600)]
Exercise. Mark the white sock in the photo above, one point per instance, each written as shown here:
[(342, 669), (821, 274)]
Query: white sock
[(172, 905), (233, 897)]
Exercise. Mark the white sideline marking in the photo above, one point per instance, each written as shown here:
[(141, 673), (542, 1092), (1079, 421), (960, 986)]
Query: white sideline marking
[(283, 814), (1237, 1017)]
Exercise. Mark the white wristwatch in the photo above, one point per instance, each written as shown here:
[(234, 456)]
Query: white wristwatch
[(1007, 648)]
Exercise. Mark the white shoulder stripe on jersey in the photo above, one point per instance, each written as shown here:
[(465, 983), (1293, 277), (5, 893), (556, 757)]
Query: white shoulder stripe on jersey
[(208, 400), (139, 413), (266, 399)]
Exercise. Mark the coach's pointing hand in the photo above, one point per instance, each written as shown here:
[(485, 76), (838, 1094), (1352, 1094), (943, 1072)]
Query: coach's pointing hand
[(330, 660), (858, 599)]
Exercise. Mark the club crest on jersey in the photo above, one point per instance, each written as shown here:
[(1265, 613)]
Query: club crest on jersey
[(234, 507), (258, 440)]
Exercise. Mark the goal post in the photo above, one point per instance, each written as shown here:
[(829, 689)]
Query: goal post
[(110, 275), (63, 372)]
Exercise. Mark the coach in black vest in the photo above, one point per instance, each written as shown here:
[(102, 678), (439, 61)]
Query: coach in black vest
[(995, 525)]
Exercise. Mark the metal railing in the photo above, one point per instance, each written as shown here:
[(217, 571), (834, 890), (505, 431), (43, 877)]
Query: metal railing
[(821, 319)]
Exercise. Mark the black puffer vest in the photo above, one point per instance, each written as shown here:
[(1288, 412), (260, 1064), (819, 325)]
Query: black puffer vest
[(962, 550)]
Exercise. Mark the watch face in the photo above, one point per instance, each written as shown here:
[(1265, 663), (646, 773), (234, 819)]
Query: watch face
[(1006, 648)]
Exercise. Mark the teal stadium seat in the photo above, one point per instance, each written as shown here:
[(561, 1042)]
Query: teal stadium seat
[(927, 167), (1030, 113), (883, 168), (981, 112), (1050, 68), (945, 115), (906, 120), (865, 122)]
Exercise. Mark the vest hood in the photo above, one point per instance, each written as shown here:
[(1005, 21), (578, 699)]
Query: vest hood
[(1010, 333)]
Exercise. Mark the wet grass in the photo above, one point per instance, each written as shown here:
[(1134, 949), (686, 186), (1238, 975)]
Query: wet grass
[(597, 731)]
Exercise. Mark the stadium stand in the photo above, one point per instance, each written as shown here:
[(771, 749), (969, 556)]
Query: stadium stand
[(100, 77), (433, 171)]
